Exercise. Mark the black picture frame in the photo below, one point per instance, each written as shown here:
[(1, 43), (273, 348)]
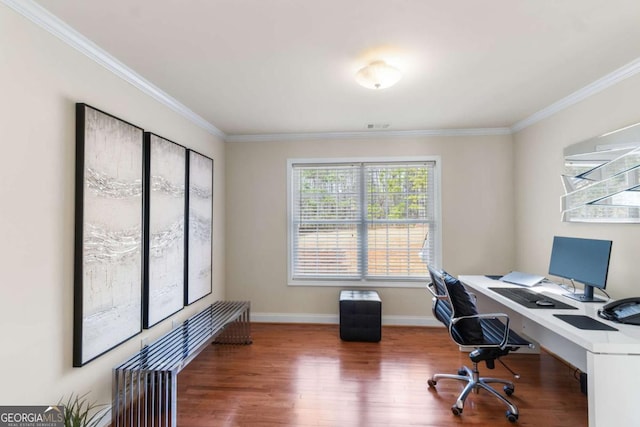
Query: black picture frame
[(199, 222), (164, 231), (108, 233)]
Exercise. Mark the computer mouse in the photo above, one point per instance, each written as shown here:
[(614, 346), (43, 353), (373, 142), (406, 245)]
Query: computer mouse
[(545, 303)]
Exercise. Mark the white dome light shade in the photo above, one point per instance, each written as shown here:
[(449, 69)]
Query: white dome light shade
[(378, 75)]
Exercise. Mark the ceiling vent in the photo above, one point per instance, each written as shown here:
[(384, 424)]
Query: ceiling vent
[(378, 126)]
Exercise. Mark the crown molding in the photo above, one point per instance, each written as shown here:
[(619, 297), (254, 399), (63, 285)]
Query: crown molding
[(610, 79), (49, 22), (366, 135)]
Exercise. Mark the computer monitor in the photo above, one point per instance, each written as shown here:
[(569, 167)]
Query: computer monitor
[(582, 260)]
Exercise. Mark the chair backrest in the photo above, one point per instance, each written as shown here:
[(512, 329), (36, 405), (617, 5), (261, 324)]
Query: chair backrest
[(451, 301), (442, 308)]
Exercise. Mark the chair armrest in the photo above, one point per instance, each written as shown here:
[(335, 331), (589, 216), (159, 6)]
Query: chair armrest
[(433, 292), (505, 335)]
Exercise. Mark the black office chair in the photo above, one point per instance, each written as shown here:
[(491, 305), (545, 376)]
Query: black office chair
[(490, 337)]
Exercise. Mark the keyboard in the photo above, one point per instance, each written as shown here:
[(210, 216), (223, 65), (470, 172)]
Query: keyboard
[(528, 298), (519, 295)]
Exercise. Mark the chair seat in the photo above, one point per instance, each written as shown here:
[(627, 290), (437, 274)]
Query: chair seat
[(493, 331)]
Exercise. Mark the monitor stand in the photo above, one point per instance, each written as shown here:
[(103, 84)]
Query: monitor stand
[(584, 298), (587, 296)]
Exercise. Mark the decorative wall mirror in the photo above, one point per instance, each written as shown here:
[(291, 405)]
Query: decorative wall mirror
[(602, 178)]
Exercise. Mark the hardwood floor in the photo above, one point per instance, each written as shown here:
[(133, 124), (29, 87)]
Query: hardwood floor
[(304, 375)]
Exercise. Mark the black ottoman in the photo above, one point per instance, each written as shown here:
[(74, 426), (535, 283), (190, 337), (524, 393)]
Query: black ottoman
[(360, 316)]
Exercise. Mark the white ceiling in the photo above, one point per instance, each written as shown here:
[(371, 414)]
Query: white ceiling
[(287, 66)]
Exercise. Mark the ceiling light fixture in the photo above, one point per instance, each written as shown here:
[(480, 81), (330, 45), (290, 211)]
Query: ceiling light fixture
[(378, 75)]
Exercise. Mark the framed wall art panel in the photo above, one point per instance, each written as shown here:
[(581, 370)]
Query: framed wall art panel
[(199, 227), (108, 233), (164, 235)]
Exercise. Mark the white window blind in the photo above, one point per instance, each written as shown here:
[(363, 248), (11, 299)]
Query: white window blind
[(364, 221)]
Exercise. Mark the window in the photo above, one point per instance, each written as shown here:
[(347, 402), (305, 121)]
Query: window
[(362, 220)]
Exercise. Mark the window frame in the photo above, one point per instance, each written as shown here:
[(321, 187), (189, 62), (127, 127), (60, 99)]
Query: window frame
[(365, 282)]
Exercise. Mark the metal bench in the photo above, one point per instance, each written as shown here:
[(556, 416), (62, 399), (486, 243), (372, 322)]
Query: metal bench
[(145, 386)]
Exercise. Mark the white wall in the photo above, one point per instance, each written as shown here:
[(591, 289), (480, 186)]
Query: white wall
[(41, 80), (477, 210), (539, 161)]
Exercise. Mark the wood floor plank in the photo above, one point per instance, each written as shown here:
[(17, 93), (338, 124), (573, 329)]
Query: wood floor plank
[(304, 375)]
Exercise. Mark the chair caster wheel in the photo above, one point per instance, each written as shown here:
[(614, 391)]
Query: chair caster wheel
[(512, 417), (432, 383), (508, 390), (456, 411)]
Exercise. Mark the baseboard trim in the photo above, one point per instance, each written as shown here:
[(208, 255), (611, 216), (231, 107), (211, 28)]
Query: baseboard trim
[(334, 319)]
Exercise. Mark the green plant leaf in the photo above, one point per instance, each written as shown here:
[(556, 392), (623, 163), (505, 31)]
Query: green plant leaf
[(80, 412)]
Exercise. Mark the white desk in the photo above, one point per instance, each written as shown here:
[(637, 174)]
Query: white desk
[(611, 359)]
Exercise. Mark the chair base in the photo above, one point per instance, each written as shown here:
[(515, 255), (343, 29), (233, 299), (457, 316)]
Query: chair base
[(475, 383)]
